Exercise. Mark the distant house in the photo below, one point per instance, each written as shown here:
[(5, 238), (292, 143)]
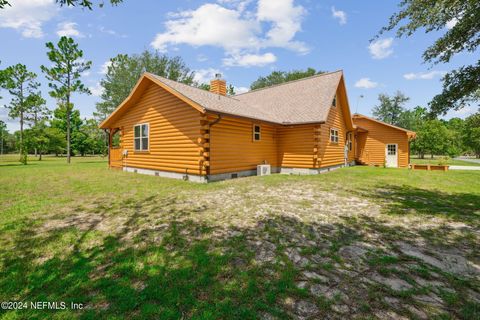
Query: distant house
[(170, 129)]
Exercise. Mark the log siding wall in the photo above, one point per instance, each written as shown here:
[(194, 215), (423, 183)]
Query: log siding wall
[(371, 144), (232, 147), (183, 140), (174, 130), (331, 153)]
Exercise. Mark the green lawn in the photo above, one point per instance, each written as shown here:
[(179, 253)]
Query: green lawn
[(357, 242), (437, 159)]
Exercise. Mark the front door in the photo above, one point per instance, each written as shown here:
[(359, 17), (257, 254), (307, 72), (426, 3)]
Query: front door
[(391, 155)]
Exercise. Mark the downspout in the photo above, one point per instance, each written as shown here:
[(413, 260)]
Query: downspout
[(214, 122), (210, 125)]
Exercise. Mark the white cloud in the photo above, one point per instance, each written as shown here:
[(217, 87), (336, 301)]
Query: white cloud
[(286, 21), (340, 15), (28, 16), (210, 24), (381, 48), (96, 90), (450, 24), (68, 29), (104, 67), (202, 58), (239, 90), (366, 83), (111, 32), (423, 75), (250, 60), (205, 75), (238, 31)]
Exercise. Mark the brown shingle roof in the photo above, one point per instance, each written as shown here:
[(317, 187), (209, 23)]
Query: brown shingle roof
[(214, 102), (306, 100), (301, 101)]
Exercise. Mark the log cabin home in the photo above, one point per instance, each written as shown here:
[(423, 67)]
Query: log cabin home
[(170, 129)]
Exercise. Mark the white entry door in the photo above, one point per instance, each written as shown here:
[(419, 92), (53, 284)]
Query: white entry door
[(391, 155)]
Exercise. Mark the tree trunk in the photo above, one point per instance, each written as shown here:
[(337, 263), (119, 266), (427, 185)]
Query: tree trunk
[(23, 157), (35, 122), (40, 156), (68, 128), (431, 156)]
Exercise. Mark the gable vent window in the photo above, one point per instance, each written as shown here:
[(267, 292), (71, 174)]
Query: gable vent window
[(141, 137), (334, 135), (256, 133), (334, 102)]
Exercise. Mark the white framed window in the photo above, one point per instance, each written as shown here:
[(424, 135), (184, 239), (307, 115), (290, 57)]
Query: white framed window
[(334, 102), (333, 135), (257, 132), (140, 139), (392, 149)]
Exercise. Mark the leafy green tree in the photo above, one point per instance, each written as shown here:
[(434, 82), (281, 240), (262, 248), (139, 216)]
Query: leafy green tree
[(455, 145), (472, 133), (230, 90), (412, 119), (125, 70), (56, 141), (95, 137), (390, 109), (64, 76), (277, 77), (3, 135), (60, 122), (460, 86), (432, 137), (81, 3), (22, 86)]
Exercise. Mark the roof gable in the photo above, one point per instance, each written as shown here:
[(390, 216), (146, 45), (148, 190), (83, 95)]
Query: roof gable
[(361, 116), (306, 100)]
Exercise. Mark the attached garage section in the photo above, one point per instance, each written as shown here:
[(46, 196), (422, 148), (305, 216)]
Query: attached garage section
[(381, 144)]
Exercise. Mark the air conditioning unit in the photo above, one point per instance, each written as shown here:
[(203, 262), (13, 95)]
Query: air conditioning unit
[(264, 170)]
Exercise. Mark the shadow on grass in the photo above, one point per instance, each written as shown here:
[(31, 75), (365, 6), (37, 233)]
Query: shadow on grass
[(176, 268), (17, 164), (464, 207)]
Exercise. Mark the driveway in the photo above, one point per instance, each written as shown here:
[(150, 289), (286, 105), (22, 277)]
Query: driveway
[(464, 167), (468, 159)]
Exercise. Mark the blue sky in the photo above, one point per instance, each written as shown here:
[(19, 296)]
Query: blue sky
[(242, 39)]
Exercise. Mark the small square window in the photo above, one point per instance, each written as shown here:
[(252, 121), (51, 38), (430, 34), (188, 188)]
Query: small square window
[(334, 135), (141, 137), (256, 132)]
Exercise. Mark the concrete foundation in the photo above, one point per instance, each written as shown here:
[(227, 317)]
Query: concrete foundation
[(231, 175)]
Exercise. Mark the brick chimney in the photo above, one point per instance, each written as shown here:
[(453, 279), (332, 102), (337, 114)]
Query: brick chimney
[(218, 85)]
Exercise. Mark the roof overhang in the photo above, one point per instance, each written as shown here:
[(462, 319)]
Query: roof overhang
[(346, 106), (410, 134)]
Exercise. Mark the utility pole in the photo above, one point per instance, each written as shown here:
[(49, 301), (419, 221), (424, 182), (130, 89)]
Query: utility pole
[(358, 100)]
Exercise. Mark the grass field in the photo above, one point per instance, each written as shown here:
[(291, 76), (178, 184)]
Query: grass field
[(437, 159), (359, 242)]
